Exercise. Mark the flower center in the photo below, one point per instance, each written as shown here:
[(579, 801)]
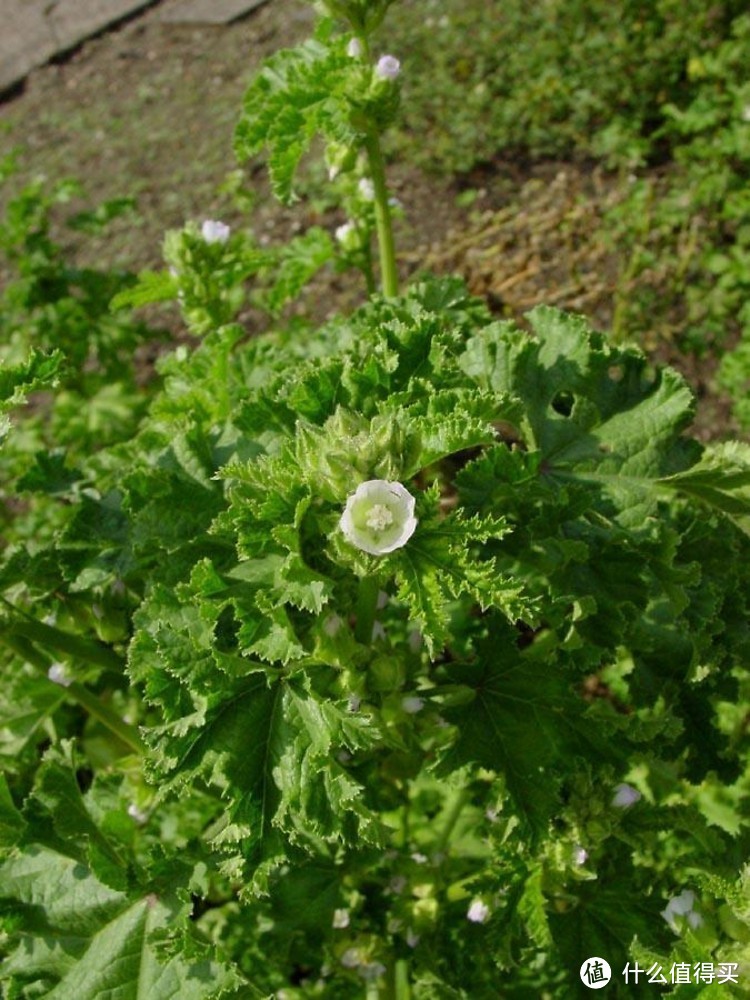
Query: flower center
[(379, 517)]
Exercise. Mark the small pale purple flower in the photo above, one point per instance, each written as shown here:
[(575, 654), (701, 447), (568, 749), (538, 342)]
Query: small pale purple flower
[(352, 958), (354, 48), (136, 814), (412, 704), (366, 189), (347, 235), (215, 232), (58, 675), (379, 517), (580, 856), (388, 68), (625, 796), (682, 906), (332, 625), (478, 912)]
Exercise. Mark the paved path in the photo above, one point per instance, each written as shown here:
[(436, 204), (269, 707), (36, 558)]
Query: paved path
[(33, 31)]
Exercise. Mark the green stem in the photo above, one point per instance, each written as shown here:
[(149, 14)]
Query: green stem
[(54, 638), (454, 811), (395, 984), (403, 988), (73, 645), (367, 601), (388, 272), (93, 705)]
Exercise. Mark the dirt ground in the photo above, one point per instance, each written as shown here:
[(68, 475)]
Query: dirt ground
[(148, 110)]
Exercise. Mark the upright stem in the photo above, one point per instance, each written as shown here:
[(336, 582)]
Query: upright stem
[(388, 272), (453, 814), (93, 705), (367, 601), (403, 988), (395, 984), (82, 649)]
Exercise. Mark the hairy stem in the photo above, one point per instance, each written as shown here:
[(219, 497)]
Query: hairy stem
[(367, 601), (85, 698), (63, 642), (403, 988), (383, 222), (454, 811)]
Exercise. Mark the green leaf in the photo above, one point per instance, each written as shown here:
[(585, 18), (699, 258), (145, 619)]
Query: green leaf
[(443, 561), (525, 722), (57, 789), (298, 93), (721, 479), (84, 940), (152, 286), (299, 261), (595, 413), (12, 823)]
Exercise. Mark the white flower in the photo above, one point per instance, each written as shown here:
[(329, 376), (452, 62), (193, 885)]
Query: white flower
[(347, 235), (388, 68), (58, 675), (378, 632), (682, 906), (412, 704), (412, 939), (354, 48), (397, 884), (420, 858), (332, 624), (372, 970), (478, 912), (340, 919), (379, 517), (580, 856), (215, 232), (136, 814), (625, 796), (366, 188), (352, 958), (746, 113)]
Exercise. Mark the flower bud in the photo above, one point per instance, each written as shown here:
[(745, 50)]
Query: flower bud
[(366, 189), (215, 232), (58, 675), (478, 912), (388, 68), (348, 236), (625, 796)]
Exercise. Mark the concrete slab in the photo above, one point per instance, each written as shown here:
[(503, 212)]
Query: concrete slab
[(33, 31), (26, 39), (73, 21), (209, 11)]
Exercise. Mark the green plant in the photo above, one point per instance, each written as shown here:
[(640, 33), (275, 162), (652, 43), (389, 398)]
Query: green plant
[(401, 657), (49, 304)]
